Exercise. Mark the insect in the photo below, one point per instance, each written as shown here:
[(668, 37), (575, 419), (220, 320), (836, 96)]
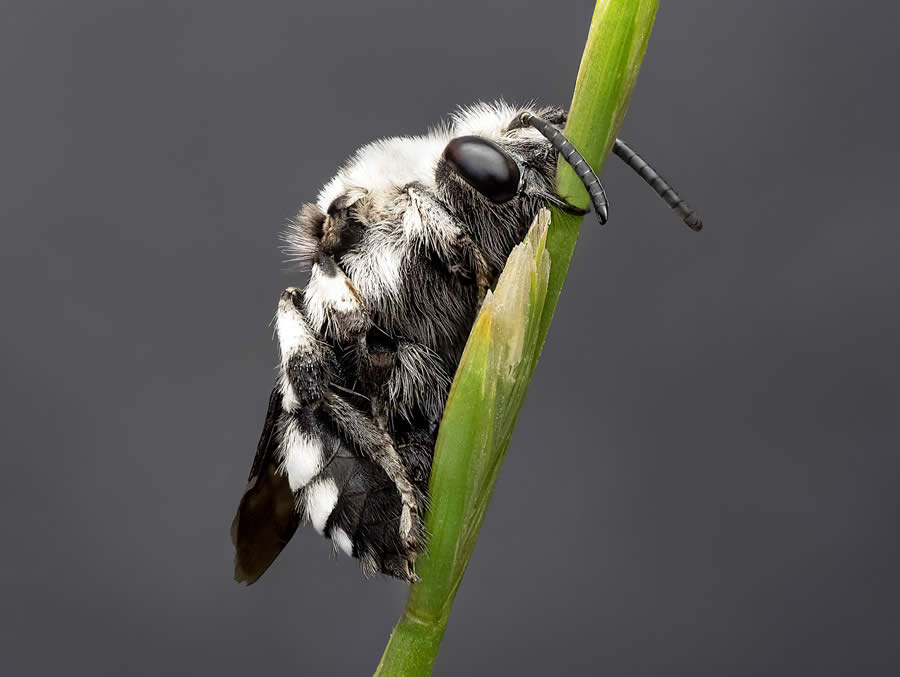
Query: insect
[(401, 247)]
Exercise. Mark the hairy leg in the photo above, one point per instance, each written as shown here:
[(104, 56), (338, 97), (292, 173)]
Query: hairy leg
[(311, 379)]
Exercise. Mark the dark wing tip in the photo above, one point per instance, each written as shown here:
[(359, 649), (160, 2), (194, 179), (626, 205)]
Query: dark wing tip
[(241, 575), (266, 520), (266, 517)]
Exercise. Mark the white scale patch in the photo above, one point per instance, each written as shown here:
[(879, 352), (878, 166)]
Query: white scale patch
[(326, 294), (387, 164), (321, 497), (483, 119), (302, 457), (289, 401), (294, 337), (342, 541), (376, 270), (293, 334), (427, 223)]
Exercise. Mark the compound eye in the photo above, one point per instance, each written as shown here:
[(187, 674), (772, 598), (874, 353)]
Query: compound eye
[(485, 166)]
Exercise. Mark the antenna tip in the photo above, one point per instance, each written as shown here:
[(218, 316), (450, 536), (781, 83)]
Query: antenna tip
[(602, 214), (693, 222)]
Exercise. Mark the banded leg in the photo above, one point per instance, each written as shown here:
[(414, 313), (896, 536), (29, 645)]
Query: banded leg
[(309, 373), (350, 499), (375, 444), (289, 453), (334, 309), (308, 365), (365, 521), (346, 497), (322, 456)]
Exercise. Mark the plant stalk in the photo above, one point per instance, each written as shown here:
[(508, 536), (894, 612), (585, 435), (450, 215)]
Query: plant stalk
[(491, 382)]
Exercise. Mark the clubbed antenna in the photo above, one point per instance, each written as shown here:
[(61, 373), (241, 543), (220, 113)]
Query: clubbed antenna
[(565, 147), (658, 183)]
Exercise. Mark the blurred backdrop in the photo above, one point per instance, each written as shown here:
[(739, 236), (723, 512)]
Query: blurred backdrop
[(704, 477)]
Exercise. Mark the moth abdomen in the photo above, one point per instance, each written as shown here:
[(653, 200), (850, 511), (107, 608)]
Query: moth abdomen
[(364, 519)]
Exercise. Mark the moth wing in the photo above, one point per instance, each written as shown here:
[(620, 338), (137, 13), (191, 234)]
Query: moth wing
[(266, 517)]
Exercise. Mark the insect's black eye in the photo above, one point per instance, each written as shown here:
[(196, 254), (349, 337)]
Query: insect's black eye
[(485, 166)]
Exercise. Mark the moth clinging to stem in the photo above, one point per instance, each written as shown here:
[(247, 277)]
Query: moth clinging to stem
[(401, 246)]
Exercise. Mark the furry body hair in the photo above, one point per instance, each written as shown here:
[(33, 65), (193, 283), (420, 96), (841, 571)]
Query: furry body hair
[(401, 252)]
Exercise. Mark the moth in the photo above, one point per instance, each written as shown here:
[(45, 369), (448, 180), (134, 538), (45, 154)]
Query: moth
[(401, 247)]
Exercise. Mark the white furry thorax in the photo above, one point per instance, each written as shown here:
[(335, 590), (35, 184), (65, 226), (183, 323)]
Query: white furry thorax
[(386, 179), (386, 165)]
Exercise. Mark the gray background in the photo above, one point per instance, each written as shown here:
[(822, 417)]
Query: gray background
[(704, 479)]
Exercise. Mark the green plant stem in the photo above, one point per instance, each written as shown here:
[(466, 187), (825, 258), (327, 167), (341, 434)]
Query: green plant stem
[(492, 379), (414, 644), (609, 68)]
